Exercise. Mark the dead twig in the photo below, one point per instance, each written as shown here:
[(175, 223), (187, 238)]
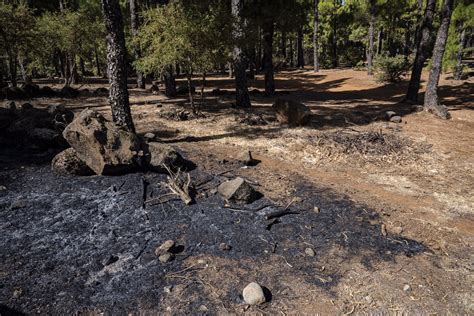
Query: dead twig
[(178, 185)]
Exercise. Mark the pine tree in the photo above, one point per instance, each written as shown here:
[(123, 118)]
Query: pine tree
[(117, 65)]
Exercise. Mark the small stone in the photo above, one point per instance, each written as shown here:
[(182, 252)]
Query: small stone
[(383, 230), (224, 247), (149, 136), (309, 252), (18, 204), (168, 289), (17, 292), (167, 257), (406, 288), (3, 188), (398, 230), (245, 157), (396, 119), (253, 294), (164, 247), (389, 115), (316, 210), (203, 309)]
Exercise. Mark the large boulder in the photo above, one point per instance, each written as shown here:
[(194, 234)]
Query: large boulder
[(291, 112), (103, 146), (159, 154), (68, 162)]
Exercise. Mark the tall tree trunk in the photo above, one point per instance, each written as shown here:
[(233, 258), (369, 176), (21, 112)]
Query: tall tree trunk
[(431, 96), (292, 53), (170, 83), (283, 48), (135, 21), (370, 48), (97, 62), (422, 51), (83, 66), (299, 47), (315, 35), (190, 91), (335, 62), (379, 42), (242, 99), (117, 65), (259, 58), (268, 29), (462, 43)]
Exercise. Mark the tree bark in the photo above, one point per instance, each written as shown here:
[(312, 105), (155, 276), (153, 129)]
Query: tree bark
[(170, 83), (431, 96), (335, 62), (299, 48), (379, 42), (97, 63), (370, 48), (292, 53), (462, 43), (315, 35), (13, 67), (190, 91), (242, 99), (268, 30), (422, 51), (117, 65), (135, 24)]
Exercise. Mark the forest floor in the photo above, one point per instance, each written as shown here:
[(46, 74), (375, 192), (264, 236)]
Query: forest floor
[(376, 184)]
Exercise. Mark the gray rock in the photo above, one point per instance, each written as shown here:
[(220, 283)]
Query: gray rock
[(161, 154), (166, 257), (238, 190), (164, 247), (224, 247), (309, 252), (253, 294), (149, 136), (104, 147), (396, 119), (389, 115), (291, 112), (18, 204), (406, 287), (68, 162)]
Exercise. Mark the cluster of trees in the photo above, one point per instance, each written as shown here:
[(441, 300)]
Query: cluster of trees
[(165, 38)]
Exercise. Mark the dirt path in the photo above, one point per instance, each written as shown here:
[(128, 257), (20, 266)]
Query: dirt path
[(410, 187)]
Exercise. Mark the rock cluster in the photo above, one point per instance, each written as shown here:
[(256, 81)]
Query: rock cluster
[(107, 149)]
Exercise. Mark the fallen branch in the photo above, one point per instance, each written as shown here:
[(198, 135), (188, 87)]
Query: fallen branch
[(178, 185)]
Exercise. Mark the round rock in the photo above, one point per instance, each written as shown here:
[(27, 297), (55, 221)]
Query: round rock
[(164, 247), (253, 294), (309, 252), (167, 257)]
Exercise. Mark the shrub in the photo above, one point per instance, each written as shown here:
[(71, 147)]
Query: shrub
[(391, 69)]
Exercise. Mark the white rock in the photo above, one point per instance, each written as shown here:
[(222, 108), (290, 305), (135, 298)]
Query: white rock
[(309, 252), (253, 294)]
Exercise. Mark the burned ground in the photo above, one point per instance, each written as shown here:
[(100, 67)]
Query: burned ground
[(393, 233)]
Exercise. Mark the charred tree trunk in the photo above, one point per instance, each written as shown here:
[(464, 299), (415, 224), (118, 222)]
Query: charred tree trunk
[(117, 65), (370, 48), (299, 47), (242, 99), (422, 51), (315, 35), (462, 43), (268, 30), (135, 23), (431, 96)]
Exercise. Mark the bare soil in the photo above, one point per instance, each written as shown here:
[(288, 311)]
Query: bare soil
[(394, 233)]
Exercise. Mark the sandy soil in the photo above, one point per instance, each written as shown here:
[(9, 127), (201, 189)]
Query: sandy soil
[(423, 190)]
